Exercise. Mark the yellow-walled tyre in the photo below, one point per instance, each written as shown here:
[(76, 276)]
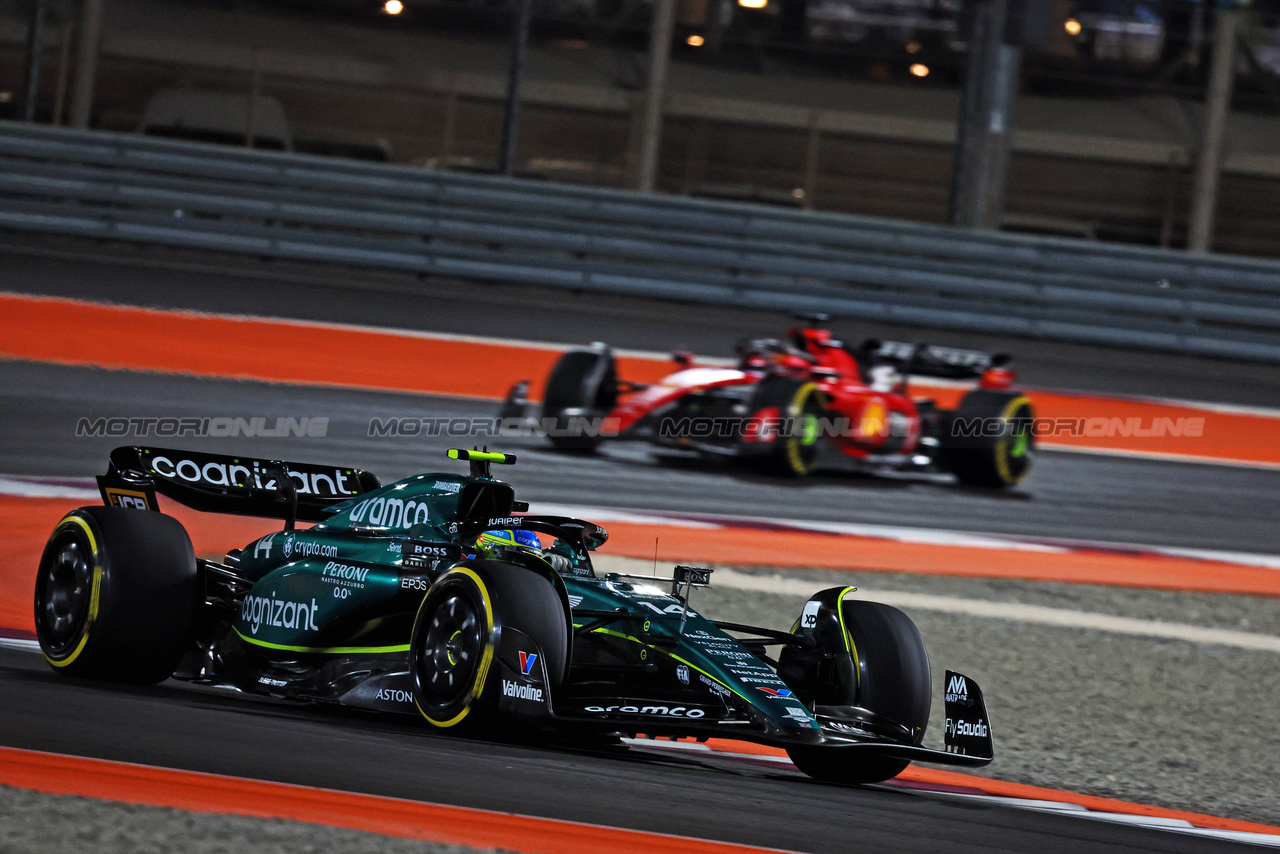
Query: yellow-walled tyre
[(456, 637), (115, 595), (989, 440), (799, 406)]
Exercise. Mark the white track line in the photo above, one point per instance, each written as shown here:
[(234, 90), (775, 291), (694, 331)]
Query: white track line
[(34, 487), (1015, 612), (918, 536), (1065, 808), (43, 488), (21, 645)]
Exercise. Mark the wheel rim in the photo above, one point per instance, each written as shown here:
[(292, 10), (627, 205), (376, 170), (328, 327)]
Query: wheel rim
[(1017, 448), (66, 585), (450, 651), (802, 446)]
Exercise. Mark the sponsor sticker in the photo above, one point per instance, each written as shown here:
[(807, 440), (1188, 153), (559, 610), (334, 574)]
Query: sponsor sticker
[(809, 617), (961, 727), (659, 711), (388, 512), (520, 691), (682, 674), (394, 695), (259, 611), (714, 686), (127, 498), (527, 660)]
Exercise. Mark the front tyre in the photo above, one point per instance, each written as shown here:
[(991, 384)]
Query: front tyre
[(827, 765), (887, 689), (453, 644), (458, 633), (115, 595)]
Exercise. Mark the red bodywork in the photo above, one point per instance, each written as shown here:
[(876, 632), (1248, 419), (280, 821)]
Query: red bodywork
[(874, 413)]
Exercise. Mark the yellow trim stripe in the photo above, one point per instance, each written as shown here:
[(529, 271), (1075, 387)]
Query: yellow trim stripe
[(323, 650), (848, 638)]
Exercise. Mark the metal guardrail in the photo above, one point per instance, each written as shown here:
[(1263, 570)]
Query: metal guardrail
[(133, 188)]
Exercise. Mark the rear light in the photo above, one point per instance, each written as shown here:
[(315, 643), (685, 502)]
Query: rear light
[(997, 379)]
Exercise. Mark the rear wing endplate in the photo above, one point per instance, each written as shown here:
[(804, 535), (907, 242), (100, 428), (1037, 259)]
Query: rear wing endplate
[(218, 483)]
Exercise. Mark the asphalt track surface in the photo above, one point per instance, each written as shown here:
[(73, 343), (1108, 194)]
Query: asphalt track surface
[(184, 727), (178, 726), (1074, 496)]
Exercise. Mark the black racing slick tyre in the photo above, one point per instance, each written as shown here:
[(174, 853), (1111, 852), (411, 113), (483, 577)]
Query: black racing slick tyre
[(797, 408), (115, 595), (457, 632), (989, 440), (893, 684), (582, 386)]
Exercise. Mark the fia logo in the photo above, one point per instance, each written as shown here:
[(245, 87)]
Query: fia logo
[(957, 689), (682, 673), (526, 661)]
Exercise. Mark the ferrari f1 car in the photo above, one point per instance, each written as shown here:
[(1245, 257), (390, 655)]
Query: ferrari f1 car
[(439, 596), (802, 404)]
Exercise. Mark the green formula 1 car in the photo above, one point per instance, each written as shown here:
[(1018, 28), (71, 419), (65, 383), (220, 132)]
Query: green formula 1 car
[(440, 596)]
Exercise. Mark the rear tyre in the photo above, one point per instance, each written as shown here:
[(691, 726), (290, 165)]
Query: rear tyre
[(797, 408), (893, 684), (582, 385), (998, 445), (115, 595), (455, 639)]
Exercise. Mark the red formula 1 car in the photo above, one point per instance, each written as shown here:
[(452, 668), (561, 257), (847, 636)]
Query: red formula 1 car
[(801, 404)]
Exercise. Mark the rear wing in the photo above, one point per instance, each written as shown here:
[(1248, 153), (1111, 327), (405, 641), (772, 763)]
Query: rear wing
[(217, 483), (931, 360)]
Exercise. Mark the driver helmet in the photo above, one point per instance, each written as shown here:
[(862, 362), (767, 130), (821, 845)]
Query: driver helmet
[(508, 537)]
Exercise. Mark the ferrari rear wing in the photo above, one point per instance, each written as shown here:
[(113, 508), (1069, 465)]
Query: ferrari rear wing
[(217, 483), (931, 360)]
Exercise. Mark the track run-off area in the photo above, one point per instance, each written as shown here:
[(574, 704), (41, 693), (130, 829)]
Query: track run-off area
[(104, 356)]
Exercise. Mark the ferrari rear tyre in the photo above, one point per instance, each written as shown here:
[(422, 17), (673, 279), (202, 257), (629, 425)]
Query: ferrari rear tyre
[(115, 595), (989, 440), (456, 635), (582, 385), (796, 407)]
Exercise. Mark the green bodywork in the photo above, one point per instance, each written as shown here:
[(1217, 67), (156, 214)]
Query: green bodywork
[(342, 588)]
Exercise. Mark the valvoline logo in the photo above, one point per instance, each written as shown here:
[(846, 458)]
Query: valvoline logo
[(526, 662), (782, 692)]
